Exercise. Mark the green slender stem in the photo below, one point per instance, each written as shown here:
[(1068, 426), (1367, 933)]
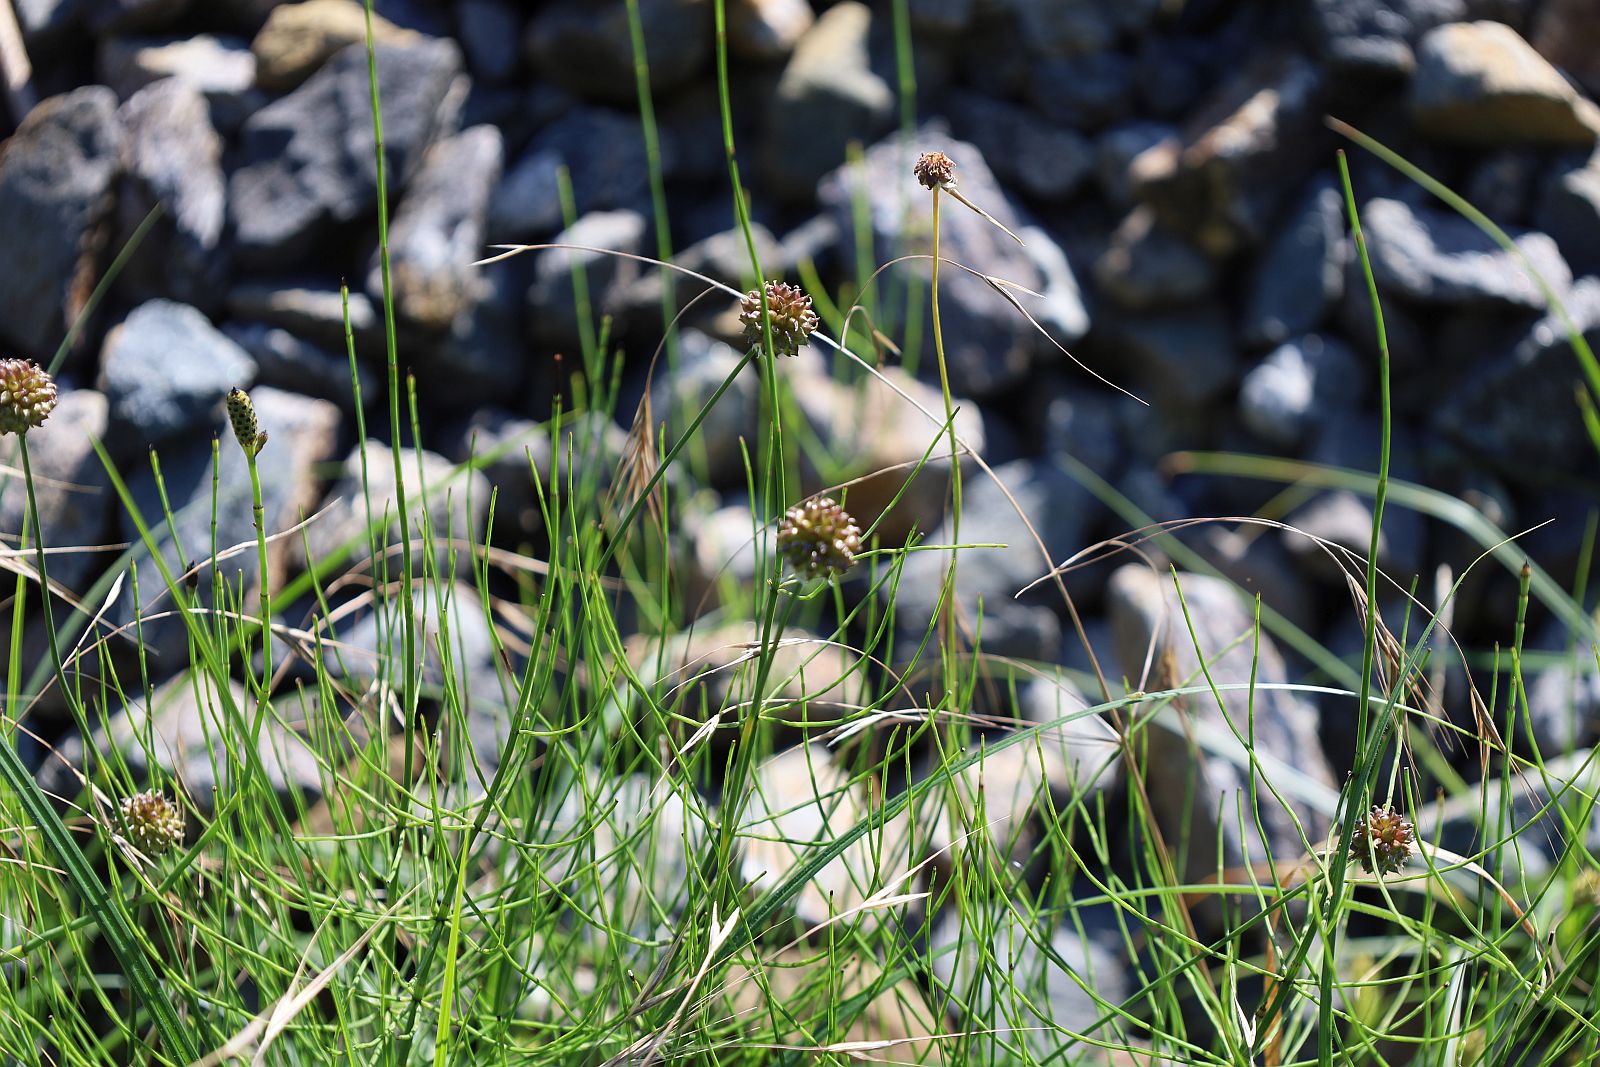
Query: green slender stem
[(258, 514), (952, 643), (112, 921)]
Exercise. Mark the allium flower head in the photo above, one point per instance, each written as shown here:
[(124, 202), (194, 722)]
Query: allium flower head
[(152, 822), (27, 395), (793, 321), (819, 538), (935, 170), (242, 413), (1383, 837)]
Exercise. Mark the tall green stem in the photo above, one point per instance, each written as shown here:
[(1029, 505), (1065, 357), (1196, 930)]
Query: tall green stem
[(258, 514), (949, 623)]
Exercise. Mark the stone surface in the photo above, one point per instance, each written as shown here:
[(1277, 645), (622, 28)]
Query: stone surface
[(308, 158), (74, 493), (315, 313), (603, 151), (286, 361), (1299, 279), (1519, 411), (1115, 151), (586, 449), (766, 30), (183, 726), (584, 46), (1374, 39), (173, 158), (1480, 83), (1066, 27), (827, 97), (988, 345), (1569, 211), (299, 38), (1286, 396), (552, 310), (1185, 358), (165, 370), (1058, 509), (1205, 774), (1039, 158), (734, 421), (1439, 258), (57, 183), (1567, 33), (1149, 266), (1344, 520), (457, 503), (220, 67), (490, 32), (1086, 93), (303, 434), (1224, 183), (438, 232)]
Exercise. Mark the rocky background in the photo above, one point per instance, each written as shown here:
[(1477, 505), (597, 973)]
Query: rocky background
[(1166, 161)]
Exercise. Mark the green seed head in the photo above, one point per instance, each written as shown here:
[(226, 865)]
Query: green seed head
[(242, 413), (793, 320), (27, 395), (152, 822), (819, 538), (1382, 841)]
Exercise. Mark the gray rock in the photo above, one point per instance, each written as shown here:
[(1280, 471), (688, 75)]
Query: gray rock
[(483, 357), (70, 482), (1059, 509), (113, 16), (552, 301), (185, 732), (1501, 183), (44, 23), (1036, 983), (1567, 33), (1374, 38), (764, 30), (220, 68), (1115, 151), (724, 256), (165, 370), (604, 154), (438, 232), (1185, 358), (731, 425), (1564, 700), (173, 158), (585, 47), (1519, 412), (587, 449), (1149, 266), (988, 345), (941, 17), (491, 36), (1063, 312), (1242, 151), (1439, 258), (317, 314), (1256, 560), (727, 550), (303, 433), (285, 361), (309, 161), (1569, 210), (1286, 396), (1299, 279), (1086, 93), (1066, 27), (827, 98), (298, 39), (1344, 519), (456, 500), (57, 182), (1205, 776), (1480, 83), (1041, 159), (1084, 425)]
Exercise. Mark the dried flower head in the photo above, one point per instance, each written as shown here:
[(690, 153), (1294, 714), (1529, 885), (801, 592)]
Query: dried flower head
[(819, 538), (27, 395), (1382, 840), (242, 413), (793, 321), (935, 170), (152, 822)]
